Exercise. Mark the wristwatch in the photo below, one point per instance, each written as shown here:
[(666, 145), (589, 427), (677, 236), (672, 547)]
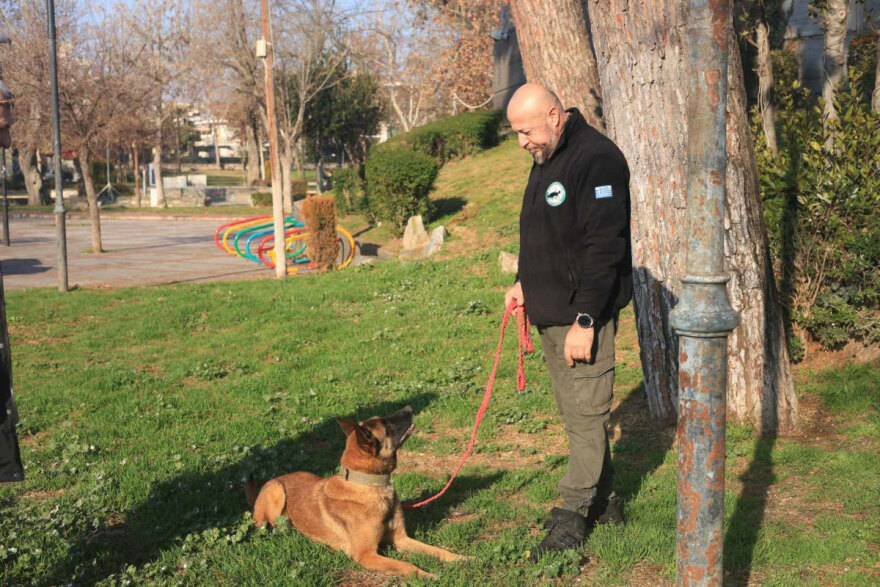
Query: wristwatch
[(584, 320)]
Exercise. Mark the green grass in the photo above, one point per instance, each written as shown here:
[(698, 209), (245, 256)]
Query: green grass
[(143, 409)]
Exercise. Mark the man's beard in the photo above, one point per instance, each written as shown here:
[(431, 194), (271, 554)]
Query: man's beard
[(544, 154)]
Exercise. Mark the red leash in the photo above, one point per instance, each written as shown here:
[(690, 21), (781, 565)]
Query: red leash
[(525, 346)]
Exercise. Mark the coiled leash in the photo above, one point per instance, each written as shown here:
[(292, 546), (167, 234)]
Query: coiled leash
[(524, 346)]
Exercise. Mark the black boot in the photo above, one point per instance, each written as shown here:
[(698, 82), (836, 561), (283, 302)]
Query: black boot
[(565, 530), (607, 511)]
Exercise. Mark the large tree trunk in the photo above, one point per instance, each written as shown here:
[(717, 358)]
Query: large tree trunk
[(33, 180), (833, 58), (85, 170), (157, 169), (285, 157), (642, 58), (253, 152), (766, 102), (554, 40)]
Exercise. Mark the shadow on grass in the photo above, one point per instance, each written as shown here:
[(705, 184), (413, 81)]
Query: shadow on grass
[(448, 206), (642, 445), (197, 500)]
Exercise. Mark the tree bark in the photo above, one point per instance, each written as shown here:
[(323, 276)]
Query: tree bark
[(642, 60), (766, 102), (33, 181), (157, 169), (253, 152), (554, 40), (833, 58), (85, 170), (285, 158)]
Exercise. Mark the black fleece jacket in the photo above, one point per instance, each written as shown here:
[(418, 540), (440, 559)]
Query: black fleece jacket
[(574, 248)]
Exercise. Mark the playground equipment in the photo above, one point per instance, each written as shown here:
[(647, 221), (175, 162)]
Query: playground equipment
[(254, 239)]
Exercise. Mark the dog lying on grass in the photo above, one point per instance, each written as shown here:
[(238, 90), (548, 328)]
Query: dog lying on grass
[(357, 509)]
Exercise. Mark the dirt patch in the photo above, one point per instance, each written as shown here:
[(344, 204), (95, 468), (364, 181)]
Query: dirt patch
[(521, 451), (41, 495)]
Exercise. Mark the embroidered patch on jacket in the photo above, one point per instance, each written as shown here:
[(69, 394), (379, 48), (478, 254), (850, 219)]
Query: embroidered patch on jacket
[(555, 194), (603, 191)]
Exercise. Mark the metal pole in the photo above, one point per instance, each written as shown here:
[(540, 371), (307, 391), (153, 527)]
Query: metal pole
[(704, 317), (5, 202), (60, 212), (277, 201)]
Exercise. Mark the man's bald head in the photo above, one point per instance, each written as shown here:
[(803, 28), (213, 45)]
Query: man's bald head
[(537, 116)]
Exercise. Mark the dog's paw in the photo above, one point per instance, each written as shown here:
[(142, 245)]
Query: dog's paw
[(426, 575)]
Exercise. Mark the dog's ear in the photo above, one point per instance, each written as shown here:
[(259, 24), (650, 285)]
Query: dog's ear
[(347, 425), (367, 440)]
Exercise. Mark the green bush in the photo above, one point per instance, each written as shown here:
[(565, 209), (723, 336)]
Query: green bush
[(861, 63), (454, 137), (821, 200), (261, 199), (398, 182), (348, 190), (299, 187)]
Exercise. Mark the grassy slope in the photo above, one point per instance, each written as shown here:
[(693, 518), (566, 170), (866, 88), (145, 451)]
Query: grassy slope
[(142, 409)]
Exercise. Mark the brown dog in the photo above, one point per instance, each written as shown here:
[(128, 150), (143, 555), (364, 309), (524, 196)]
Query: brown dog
[(357, 509)]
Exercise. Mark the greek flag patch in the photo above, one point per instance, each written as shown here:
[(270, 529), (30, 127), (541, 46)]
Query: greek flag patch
[(603, 191)]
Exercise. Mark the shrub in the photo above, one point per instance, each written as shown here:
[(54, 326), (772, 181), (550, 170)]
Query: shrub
[(348, 190), (862, 65), (454, 137), (261, 199), (398, 182), (319, 213), (820, 207), (299, 188)]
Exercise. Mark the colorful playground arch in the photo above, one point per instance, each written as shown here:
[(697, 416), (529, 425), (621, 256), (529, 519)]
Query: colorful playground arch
[(254, 239)]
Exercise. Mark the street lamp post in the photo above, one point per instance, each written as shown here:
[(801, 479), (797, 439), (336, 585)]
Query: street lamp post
[(704, 318), (60, 212)]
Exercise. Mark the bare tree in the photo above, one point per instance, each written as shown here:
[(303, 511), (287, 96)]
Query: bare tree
[(310, 52), (227, 33), (165, 61), (100, 87), (401, 48), (26, 70)]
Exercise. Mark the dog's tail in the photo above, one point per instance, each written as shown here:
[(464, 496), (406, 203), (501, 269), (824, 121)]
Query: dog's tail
[(251, 490)]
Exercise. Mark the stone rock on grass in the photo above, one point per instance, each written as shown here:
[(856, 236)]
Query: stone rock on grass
[(509, 262), (414, 236), (435, 242)]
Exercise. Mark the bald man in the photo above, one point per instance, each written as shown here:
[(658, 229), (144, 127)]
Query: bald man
[(575, 274)]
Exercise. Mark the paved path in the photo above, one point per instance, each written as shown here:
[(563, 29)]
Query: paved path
[(139, 252)]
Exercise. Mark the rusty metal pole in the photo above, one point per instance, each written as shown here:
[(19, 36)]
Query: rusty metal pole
[(277, 201), (704, 318), (60, 212)]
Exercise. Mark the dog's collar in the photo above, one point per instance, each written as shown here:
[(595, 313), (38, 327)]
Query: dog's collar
[(364, 478)]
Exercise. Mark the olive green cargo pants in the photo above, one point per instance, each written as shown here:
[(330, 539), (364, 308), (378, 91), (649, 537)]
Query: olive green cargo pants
[(583, 396)]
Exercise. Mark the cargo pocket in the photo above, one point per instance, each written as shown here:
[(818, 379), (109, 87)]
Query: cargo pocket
[(594, 388)]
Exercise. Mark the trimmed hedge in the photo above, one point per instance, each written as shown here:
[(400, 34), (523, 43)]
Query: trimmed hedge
[(261, 199), (319, 213), (398, 182), (454, 137)]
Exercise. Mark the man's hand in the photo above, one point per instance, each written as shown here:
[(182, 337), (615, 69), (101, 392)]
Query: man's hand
[(578, 344), (515, 293)]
